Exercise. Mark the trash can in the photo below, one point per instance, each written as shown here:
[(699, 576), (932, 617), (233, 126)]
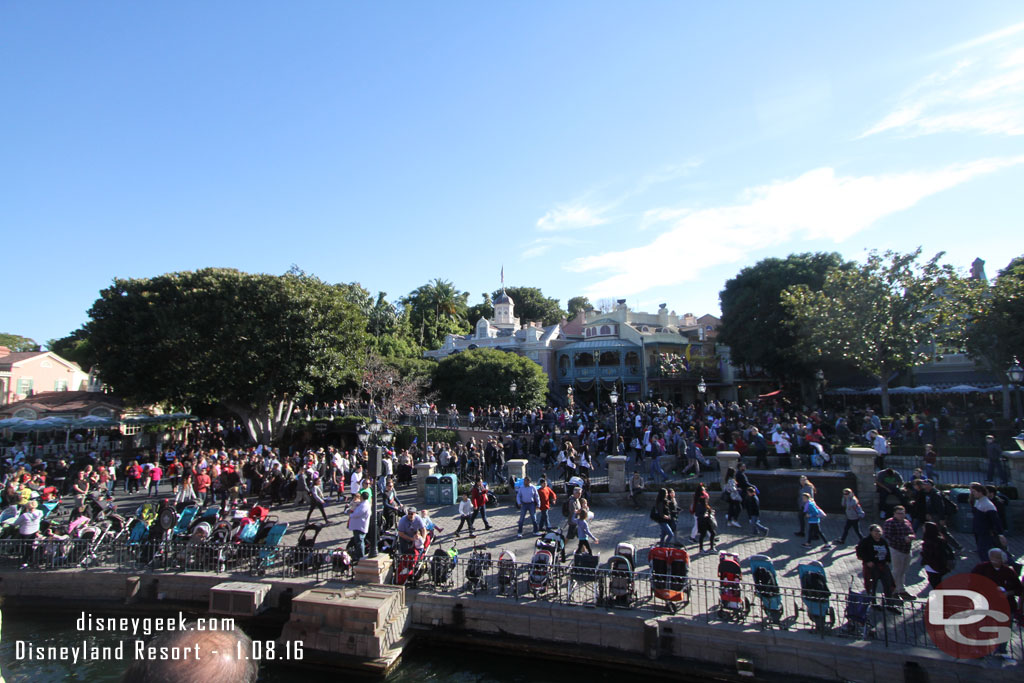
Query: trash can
[(432, 489), (449, 490)]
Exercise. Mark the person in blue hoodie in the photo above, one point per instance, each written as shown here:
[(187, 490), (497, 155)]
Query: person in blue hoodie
[(814, 514)]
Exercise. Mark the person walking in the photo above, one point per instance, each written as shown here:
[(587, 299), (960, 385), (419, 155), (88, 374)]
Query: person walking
[(465, 516), (316, 502), (899, 534), (805, 487), (478, 494), (935, 556), (702, 512), (527, 500), (583, 532), (987, 526), (661, 515), (753, 505), (854, 513), (813, 514), (994, 455), (733, 496), (547, 497)]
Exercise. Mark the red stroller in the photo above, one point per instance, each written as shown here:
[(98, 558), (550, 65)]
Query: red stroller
[(410, 568), (731, 603), (670, 575)]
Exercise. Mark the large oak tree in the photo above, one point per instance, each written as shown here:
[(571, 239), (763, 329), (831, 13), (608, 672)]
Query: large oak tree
[(253, 342)]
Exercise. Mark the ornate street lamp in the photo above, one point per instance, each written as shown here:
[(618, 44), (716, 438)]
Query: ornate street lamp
[(512, 387), (373, 430), (701, 386), (424, 411), (614, 398), (1015, 373)]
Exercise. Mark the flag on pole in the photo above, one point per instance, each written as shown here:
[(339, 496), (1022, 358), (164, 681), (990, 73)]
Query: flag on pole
[(503, 276)]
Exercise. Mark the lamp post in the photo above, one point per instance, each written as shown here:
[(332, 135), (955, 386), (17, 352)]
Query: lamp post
[(614, 398), (365, 437), (568, 394), (424, 411), (819, 383), (1015, 373), (701, 387), (512, 387)]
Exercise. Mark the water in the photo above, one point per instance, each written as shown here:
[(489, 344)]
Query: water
[(420, 664)]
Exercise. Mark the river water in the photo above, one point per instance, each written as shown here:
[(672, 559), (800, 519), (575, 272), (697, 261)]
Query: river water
[(419, 664)]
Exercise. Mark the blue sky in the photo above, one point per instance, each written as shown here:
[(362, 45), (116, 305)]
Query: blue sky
[(645, 151)]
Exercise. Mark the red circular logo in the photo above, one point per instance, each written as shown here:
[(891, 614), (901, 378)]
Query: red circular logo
[(968, 616)]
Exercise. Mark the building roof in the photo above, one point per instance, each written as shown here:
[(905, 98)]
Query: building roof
[(18, 356), (594, 344), (504, 298), (63, 402)]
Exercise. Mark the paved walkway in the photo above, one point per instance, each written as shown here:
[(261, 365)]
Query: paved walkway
[(613, 524)]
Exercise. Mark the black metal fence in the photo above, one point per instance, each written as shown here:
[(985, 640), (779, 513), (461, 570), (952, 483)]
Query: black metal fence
[(831, 613)]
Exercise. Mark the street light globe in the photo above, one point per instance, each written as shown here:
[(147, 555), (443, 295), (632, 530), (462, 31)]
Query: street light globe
[(513, 387), (1015, 373), (613, 397), (701, 386), (424, 409), (386, 436)]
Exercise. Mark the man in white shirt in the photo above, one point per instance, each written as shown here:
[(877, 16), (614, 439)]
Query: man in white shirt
[(359, 525)]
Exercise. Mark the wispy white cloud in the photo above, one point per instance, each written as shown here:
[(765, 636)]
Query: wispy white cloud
[(543, 245), (982, 92), (816, 205), (587, 212), (573, 217)]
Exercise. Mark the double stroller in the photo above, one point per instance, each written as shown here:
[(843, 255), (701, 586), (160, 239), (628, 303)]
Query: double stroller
[(670, 575), (476, 570)]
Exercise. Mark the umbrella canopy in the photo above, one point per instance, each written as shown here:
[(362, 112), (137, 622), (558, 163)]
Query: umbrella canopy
[(961, 389), (901, 390), (11, 422), (94, 422), (924, 390), (842, 390)]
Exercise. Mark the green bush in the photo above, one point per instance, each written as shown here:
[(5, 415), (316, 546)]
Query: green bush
[(405, 434)]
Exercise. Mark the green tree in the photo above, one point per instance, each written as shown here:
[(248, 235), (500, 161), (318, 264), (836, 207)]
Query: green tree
[(75, 347), (253, 342), (16, 343), (990, 320), (532, 305), (485, 376), (484, 309), (882, 317), (754, 318), (577, 304), (435, 310)]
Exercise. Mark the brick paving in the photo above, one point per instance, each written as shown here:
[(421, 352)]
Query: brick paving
[(614, 523)]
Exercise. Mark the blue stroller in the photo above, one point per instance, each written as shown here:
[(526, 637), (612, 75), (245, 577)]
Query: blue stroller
[(858, 614), (766, 586), (816, 596)]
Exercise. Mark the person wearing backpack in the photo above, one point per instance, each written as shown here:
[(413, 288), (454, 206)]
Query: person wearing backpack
[(854, 513), (662, 516)]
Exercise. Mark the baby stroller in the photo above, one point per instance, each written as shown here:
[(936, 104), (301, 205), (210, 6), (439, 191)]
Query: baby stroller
[(305, 557), (816, 596), (670, 572), (858, 614), (731, 603), (621, 583), (507, 581), (341, 562), (540, 567), (553, 540), (410, 568), (476, 570), (766, 585), (442, 565), (192, 555), (583, 572)]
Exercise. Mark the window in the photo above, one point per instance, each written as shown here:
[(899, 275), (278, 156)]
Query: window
[(60, 385), (609, 358), (24, 386), (563, 365), (605, 329), (584, 360)]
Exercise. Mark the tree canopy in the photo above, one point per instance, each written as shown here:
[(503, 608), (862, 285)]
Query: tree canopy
[(532, 305), (991, 317), (253, 342), (754, 317), (882, 316), (435, 310), (577, 304), (15, 342), (75, 347), (484, 309), (484, 376)]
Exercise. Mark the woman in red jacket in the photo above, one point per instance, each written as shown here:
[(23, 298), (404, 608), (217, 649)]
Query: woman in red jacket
[(478, 494)]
